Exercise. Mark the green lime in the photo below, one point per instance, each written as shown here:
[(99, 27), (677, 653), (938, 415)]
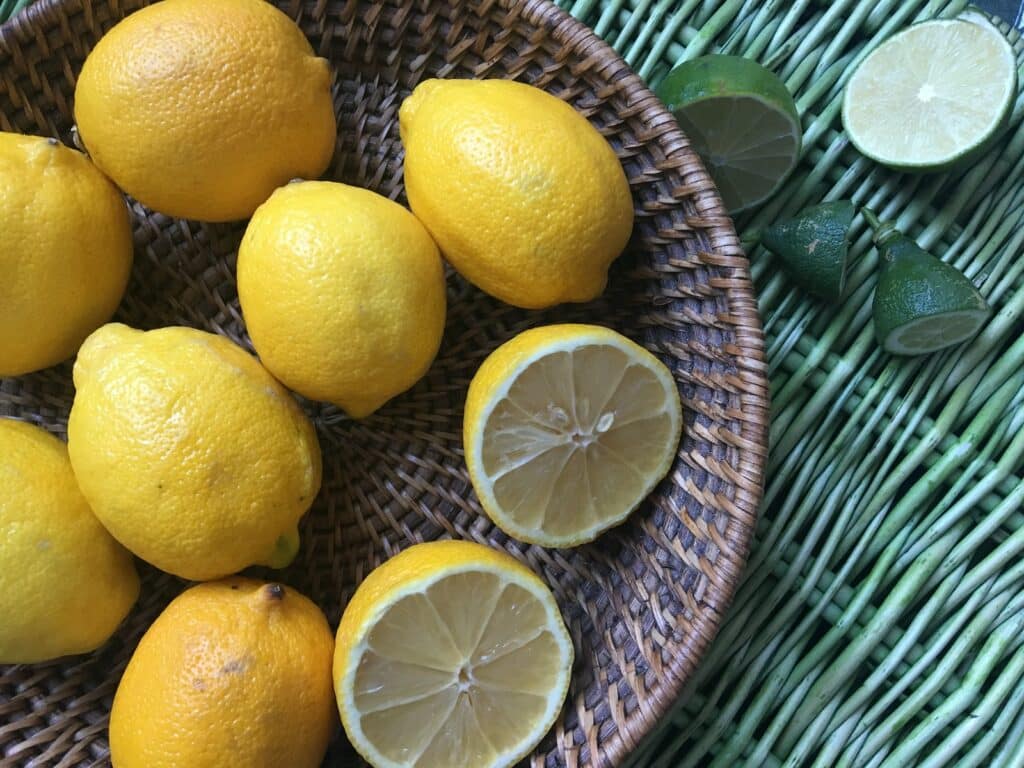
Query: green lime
[(922, 304), (813, 247), (933, 95), (741, 120)]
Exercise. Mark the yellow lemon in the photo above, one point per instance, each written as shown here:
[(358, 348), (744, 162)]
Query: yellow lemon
[(343, 294), (65, 251), (451, 654), (201, 108), (526, 199), (190, 453), (567, 429), (65, 584), (233, 673)]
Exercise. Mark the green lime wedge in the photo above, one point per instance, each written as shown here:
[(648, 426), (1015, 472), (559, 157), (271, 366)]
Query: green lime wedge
[(933, 95), (814, 246), (922, 304), (741, 120)]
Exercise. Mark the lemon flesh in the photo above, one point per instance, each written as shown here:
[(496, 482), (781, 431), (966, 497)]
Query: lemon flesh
[(932, 94), (568, 428), (451, 654)]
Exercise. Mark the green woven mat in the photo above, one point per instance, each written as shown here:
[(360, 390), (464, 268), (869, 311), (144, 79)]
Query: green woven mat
[(880, 619)]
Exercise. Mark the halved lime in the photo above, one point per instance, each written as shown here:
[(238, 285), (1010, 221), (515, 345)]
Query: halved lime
[(814, 246), (922, 304), (741, 120), (932, 95)]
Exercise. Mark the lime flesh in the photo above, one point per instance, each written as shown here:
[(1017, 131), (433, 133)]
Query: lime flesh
[(932, 95), (922, 304), (741, 120), (935, 332)]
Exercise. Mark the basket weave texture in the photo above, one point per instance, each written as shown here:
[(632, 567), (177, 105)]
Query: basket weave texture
[(644, 601)]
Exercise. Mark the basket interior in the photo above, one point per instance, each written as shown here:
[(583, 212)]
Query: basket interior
[(645, 599)]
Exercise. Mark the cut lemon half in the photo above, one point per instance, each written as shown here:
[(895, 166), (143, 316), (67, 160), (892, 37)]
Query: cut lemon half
[(932, 95), (567, 429), (450, 654)]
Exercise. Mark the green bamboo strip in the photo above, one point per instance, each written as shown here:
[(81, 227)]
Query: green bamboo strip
[(892, 606), (728, 712), (727, 11), (667, 33), (1009, 460), (988, 502), (948, 662), (1006, 692), (878, 680), (981, 668), (1010, 753)]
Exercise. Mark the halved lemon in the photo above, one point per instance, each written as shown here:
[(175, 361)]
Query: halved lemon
[(567, 429), (450, 654)]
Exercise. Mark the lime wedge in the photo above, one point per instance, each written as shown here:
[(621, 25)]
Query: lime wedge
[(932, 95), (814, 247), (741, 120), (922, 304)]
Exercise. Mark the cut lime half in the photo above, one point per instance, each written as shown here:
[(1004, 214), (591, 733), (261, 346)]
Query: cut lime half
[(932, 95), (741, 120), (924, 335), (922, 304)]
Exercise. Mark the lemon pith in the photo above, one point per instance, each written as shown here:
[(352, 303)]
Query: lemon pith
[(450, 653), (567, 429)]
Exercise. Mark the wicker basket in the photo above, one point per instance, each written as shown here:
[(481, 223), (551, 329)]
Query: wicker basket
[(644, 601)]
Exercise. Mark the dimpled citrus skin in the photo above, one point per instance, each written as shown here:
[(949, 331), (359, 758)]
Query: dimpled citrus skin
[(190, 453), (232, 673), (65, 584), (343, 294), (526, 199), (65, 251), (201, 108)]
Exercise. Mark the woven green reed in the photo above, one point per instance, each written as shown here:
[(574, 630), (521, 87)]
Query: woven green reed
[(881, 618)]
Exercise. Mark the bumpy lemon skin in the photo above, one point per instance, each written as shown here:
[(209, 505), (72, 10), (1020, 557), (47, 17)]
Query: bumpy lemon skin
[(234, 673), (526, 199), (65, 251), (343, 294), (190, 453), (65, 583), (199, 109)]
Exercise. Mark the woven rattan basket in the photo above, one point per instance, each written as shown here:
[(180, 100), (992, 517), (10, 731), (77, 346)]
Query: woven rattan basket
[(645, 600)]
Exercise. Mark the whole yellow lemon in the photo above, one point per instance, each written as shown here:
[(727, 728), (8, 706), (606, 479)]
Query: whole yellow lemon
[(65, 251), (189, 452), (232, 673), (343, 294), (525, 197), (65, 584), (201, 108)]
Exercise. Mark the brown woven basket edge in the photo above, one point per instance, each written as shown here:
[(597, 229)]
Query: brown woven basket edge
[(749, 342), (751, 441)]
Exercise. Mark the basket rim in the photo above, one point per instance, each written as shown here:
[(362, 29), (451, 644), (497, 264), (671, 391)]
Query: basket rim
[(753, 390), (754, 394)]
